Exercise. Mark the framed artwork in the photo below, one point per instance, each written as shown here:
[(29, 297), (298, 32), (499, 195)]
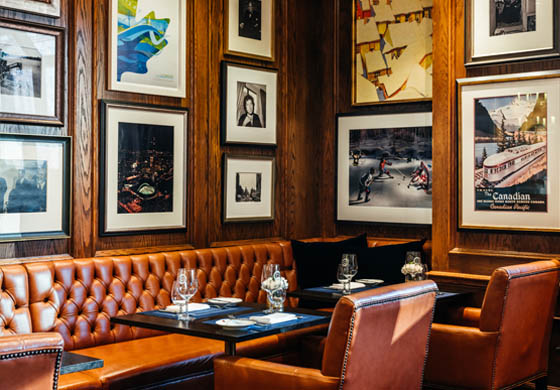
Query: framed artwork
[(391, 51), (143, 169), (34, 187), (147, 47), (507, 30), (509, 170), (248, 111), (31, 73), (248, 188), (250, 28), (384, 168), (40, 7)]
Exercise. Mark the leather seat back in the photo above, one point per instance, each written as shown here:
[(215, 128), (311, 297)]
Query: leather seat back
[(381, 335), (15, 317)]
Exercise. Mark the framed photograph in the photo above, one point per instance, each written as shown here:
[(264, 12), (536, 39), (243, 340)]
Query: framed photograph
[(248, 188), (509, 168), (507, 30), (147, 47), (391, 51), (39, 7), (143, 169), (34, 187), (248, 108), (384, 168), (31, 73), (250, 28)]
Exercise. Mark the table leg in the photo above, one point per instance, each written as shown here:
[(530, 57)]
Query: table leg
[(230, 348)]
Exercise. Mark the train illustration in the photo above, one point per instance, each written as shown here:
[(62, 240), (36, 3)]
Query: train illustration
[(499, 166)]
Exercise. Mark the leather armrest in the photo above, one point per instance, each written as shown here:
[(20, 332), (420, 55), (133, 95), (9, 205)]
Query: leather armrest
[(238, 373), (460, 354), (465, 316), (30, 342)]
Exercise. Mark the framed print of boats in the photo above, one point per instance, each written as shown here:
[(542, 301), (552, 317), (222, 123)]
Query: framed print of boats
[(147, 47), (391, 51), (509, 171), (509, 30)]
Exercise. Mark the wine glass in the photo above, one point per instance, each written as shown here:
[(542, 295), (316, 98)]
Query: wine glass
[(187, 285), (267, 277), (351, 261), (176, 298), (343, 276)]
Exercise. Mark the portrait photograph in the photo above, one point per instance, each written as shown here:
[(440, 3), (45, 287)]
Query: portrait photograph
[(512, 16), (248, 104), (143, 166), (385, 168), (248, 194), (508, 169), (40, 7), (34, 187), (249, 29), (31, 65)]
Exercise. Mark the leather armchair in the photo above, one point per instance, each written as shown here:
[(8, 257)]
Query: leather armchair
[(504, 343), (377, 340), (30, 361)]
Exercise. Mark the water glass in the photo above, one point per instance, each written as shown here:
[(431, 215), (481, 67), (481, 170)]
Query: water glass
[(176, 298), (187, 286), (351, 262), (343, 276)]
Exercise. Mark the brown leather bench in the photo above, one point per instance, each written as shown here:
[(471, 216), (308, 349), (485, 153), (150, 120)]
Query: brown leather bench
[(77, 298)]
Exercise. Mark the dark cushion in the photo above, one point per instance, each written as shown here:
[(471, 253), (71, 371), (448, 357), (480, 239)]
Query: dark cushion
[(385, 262), (317, 262)]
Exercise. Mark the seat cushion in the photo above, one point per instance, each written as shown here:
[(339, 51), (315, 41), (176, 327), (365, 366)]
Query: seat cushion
[(78, 381), (385, 262), (317, 262)]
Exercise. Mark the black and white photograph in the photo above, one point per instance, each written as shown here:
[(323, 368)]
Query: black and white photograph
[(31, 80), (384, 169), (250, 19), (248, 188), (251, 104), (512, 16), (34, 187), (143, 169), (40, 7), (249, 29), (248, 104)]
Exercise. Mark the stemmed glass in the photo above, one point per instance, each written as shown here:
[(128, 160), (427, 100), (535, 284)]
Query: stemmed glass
[(267, 276), (187, 286), (176, 298), (352, 266), (343, 276)]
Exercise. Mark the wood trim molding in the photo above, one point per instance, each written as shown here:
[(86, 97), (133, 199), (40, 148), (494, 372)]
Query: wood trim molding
[(145, 250), (219, 244), (521, 256), (35, 259)]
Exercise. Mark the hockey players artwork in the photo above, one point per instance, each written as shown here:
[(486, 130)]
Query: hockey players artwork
[(385, 168)]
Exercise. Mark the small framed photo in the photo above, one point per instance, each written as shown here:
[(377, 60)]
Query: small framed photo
[(384, 168), (509, 168), (250, 28), (248, 111), (508, 30), (248, 188), (31, 73), (34, 187), (147, 47), (143, 169), (39, 7)]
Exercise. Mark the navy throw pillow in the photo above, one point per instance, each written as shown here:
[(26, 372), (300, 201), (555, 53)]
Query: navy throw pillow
[(385, 262), (317, 262)]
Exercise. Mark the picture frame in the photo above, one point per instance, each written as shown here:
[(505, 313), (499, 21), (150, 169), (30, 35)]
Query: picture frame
[(40, 7), (384, 168), (32, 81), (35, 186), (249, 186), (143, 169), (140, 64), (249, 29), (508, 136), (503, 32), (248, 104), (391, 52)]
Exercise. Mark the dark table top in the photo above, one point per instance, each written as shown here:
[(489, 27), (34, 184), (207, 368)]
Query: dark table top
[(201, 328), (73, 362)]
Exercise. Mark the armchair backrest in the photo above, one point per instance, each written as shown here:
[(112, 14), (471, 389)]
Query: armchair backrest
[(519, 303), (381, 335)]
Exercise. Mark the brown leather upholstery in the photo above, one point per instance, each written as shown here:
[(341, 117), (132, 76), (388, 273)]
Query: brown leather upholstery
[(30, 361), (509, 345), (374, 337)]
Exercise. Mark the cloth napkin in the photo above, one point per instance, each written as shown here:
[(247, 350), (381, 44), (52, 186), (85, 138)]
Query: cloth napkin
[(192, 307), (273, 318), (338, 286)]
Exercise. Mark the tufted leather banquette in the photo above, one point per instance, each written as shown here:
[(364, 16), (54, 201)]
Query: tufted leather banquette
[(76, 298)]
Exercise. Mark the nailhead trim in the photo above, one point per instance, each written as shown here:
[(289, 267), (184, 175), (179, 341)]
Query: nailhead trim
[(58, 361)]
